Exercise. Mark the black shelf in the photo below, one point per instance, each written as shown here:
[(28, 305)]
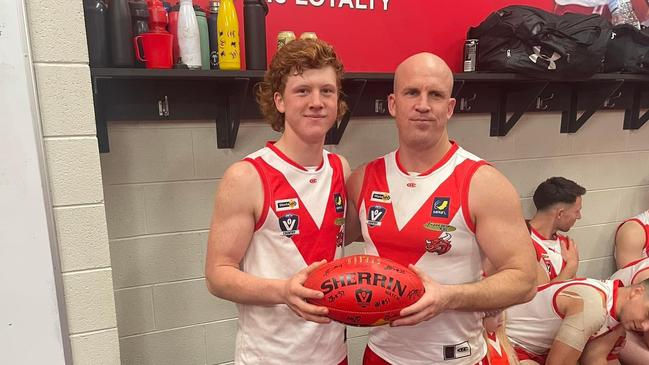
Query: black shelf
[(228, 96)]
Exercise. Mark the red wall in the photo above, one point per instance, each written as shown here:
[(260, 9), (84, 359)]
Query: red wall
[(377, 40)]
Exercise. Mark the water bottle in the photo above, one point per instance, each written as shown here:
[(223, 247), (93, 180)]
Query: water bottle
[(254, 20), (158, 18), (213, 32), (120, 34), (229, 45), (189, 38), (139, 21), (205, 39), (97, 32)]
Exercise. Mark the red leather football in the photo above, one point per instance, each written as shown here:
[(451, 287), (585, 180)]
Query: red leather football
[(365, 290)]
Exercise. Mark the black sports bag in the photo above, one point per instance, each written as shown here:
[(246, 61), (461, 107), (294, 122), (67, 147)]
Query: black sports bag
[(628, 50), (531, 41)]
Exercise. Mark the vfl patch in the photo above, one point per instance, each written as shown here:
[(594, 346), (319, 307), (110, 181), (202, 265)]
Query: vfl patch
[(375, 215), (457, 351), (438, 227), (439, 245), (339, 204), (286, 204), (380, 197), (441, 207), (289, 224)]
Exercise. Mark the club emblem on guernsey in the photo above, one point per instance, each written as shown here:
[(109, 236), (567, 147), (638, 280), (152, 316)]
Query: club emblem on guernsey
[(439, 245), (289, 224), (375, 215), (441, 207), (339, 203)]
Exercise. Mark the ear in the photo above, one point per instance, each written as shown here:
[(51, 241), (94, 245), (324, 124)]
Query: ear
[(637, 290), (450, 107), (279, 102), (392, 107)]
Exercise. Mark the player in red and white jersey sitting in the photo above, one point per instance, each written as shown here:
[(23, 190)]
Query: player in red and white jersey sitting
[(280, 213), (636, 351), (632, 240), (577, 320), (558, 206)]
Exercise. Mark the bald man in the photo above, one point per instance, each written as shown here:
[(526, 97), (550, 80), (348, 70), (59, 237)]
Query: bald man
[(432, 205)]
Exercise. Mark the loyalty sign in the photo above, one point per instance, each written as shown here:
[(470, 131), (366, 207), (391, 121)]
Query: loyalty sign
[(349, 4)]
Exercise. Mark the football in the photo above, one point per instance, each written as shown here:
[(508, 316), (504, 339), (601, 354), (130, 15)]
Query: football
[(365, 290)]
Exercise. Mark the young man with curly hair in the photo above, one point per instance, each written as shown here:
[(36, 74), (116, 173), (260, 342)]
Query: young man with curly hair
[(280, 213)]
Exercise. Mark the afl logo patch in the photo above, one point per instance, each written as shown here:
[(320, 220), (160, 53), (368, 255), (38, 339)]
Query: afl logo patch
[(289, 224), (380, 197), (441, 207), (286, 204)]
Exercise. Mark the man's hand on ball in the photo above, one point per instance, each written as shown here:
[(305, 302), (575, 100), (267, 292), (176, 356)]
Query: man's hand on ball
[(295, 295), (433, 302)]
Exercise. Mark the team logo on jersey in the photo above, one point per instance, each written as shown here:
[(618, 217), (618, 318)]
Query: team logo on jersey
[(457, 351), (286, 204), (339, 203), (375, 216), (380, 197), (438, 227), (363, 297), (289, 224), (441, 207), (439, 245), (548, 263)]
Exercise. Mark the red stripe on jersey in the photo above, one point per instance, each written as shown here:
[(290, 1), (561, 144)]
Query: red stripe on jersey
[(281, 154), (314, 243), (445, 158), (465, 196), (410, 247), (264, 183)]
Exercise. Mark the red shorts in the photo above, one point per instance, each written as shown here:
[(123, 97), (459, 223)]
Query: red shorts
[(370, 358), (522, 354)]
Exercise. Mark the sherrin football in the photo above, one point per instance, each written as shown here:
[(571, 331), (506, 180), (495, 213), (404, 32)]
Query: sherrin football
[(365, 290)]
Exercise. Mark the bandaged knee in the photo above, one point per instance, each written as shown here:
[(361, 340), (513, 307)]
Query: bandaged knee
[(576, 329)]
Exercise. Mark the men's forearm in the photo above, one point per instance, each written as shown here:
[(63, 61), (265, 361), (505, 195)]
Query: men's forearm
[(232, 284), (501, 290)]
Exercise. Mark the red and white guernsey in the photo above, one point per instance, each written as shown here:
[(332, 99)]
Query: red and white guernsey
[(643, 219), (629, 273), (548, 252), (423, 219), (533, 326), (302, 222)]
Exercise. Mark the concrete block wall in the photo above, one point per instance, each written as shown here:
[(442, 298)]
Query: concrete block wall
[(60, 61), (160, 179)]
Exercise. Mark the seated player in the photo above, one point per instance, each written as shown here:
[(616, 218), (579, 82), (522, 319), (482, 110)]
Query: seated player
[(636, 350), (632, 240), (577, 320), (558, 206)]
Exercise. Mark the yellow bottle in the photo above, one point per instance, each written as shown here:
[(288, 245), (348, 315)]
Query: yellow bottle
[(227, 24)]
